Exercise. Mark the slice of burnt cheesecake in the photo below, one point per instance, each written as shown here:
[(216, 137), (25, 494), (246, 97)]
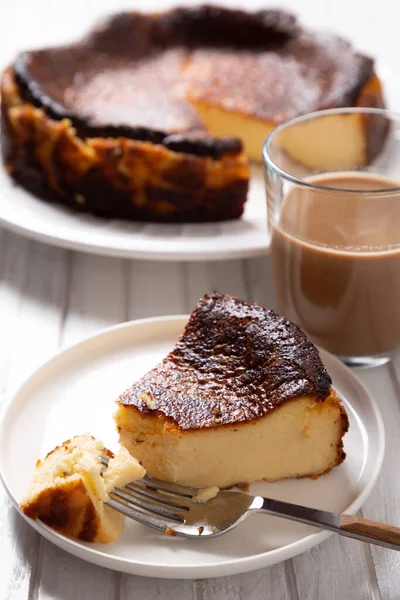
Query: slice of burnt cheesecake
[(151, 116), (243, 396)]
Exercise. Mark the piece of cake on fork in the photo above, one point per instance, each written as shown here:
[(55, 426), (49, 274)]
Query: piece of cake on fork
[(70, 487)]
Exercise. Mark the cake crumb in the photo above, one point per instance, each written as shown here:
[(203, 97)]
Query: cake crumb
[(170, 531), (205, 495), (200, 530), (148, 399)]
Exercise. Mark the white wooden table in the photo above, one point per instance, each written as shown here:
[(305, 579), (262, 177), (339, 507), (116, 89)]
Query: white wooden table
[(50, 298)]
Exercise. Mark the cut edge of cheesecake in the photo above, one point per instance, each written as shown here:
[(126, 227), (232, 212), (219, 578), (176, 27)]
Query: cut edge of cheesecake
[(302, 437), (366, 138), (70, 486)]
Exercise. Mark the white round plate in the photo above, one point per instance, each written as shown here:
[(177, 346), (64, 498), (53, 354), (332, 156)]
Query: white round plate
[(74, 392), (54, 224)]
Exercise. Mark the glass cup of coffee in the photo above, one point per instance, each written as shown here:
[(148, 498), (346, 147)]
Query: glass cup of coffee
[(333, 196)]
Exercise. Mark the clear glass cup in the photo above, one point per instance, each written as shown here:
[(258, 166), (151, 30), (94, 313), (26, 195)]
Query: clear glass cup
[(333, 196)]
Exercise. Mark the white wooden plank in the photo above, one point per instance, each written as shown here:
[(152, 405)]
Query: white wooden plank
[(144, 588), (228, 278), (14, 257), (331, 569), (394, 370), (30, 299), (64, 577), (18, 547), (383, 504), (36, 333), (267, 583), (259, 280), (198, 282), (225, 277), (96, 298), (155, 288)]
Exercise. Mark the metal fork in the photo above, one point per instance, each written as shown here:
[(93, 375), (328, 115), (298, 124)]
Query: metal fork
[(170, 508)]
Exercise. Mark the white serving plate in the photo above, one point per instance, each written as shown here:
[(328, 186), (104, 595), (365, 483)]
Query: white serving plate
[(74, 392), (23, 213)]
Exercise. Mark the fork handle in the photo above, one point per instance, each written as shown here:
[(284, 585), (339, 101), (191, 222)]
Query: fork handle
[(372, 529), (359, 528)]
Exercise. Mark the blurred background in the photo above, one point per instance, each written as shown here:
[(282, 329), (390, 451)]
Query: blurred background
[(372, 25)]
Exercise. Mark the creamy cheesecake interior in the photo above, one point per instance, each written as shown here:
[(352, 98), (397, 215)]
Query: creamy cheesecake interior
[(298, 439), (333, 143), (337, 142), (221, 123)]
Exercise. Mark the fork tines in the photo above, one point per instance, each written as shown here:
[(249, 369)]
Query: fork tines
[(152, 502)]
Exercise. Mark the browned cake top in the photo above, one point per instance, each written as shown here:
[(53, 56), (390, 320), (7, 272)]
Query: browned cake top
[(309, 72), (234, 362), (131, 76)]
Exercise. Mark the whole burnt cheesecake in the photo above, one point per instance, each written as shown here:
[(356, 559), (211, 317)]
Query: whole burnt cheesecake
[(243, 396), (151, 116)]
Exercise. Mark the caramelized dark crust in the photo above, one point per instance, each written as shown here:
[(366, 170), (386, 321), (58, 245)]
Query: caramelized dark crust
[(234, 362), (146, 54), (103, 83), (68, 509), (308, 72)]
